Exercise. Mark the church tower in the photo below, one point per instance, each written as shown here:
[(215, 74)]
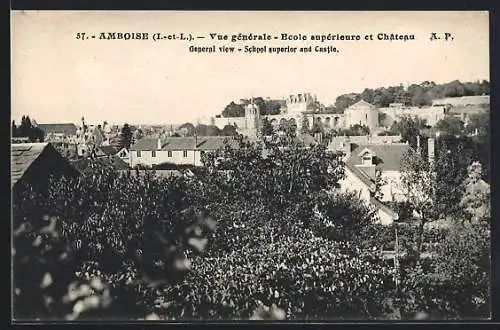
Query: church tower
[(252, 119)]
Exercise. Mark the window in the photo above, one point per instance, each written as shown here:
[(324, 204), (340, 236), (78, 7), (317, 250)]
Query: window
[(169, 153), (367, 160), (153, 153), (185, 153), (138, 153)]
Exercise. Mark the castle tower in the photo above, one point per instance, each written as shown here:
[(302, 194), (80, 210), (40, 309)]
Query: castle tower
[(252, 119)]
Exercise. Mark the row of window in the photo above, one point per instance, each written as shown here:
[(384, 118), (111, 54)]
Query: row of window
[(169, 153)]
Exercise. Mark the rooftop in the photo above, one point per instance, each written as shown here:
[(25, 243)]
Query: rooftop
[(388, 156), (23, 155), (67, 129)]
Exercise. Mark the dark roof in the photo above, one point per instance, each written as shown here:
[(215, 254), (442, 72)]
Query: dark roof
[(145, 143), (179, 143), (23, 155), (388, 156), (381, 206), (109, 150), (67, 129), (362, 176), (215, 142)]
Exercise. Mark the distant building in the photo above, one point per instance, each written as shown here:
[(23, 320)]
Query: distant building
[(463, 101), (150, 152), (35, 163), (361, 113), (363, 162), (58, 131)]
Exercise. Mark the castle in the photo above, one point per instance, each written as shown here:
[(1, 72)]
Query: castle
[(300, 106)]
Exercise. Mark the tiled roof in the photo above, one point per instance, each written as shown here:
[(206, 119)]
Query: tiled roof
[(362, 176), (361, 104), (336, 141), (388, 156), (67, 129), (23, 155), (145, 143), (215, 142), (179, 143)]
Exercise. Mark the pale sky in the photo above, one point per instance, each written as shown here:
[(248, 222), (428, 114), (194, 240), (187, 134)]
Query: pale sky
[(57, 78)]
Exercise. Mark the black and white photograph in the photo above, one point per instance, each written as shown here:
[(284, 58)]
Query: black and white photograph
[(184, 166)]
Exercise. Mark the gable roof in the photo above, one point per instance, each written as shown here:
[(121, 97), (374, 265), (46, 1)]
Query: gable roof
[(361, 104), (23, 155), (365, 178), (145, 143), (215, 142), (179, 143), (389, 156), (67, 129)]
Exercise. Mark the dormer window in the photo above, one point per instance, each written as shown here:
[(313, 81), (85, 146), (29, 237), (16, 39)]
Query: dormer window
[(367, 159), (366, 156)]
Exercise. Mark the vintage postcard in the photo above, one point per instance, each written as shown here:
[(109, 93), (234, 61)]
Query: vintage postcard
[(250, 165)]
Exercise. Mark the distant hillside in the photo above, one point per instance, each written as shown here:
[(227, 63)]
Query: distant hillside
[(416, 95)]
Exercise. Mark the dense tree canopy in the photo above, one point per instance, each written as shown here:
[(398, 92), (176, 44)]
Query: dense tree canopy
[(415, 95), (26, 129), (261, 225), (126, 136), (266, 107)]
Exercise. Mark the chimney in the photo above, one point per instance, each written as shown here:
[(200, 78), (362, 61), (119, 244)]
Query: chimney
[(418, 144), (431, 150), (159, 144), (347, 148)]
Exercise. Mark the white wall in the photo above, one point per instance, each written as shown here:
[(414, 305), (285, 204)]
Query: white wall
[(392, 188), (352, 183), (177, 157)]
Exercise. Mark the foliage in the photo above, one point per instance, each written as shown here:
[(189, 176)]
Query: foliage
[(267, 128), (304, 128), (450, 126), (476, 198), (126, 137), (355, 130), (479, 122), (418, 182), (266, 107), (26, 129), (207, 130), (229, 130), (284, 236), (233, 110), (309, 277), (187, 129), (415, 95), (409, 128), (132, 231)]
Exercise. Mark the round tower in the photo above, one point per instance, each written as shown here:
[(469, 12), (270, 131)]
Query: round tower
[(252, 119)]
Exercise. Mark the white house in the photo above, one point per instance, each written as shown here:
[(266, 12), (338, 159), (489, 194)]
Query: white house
[(363, 162), (150, 152)]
